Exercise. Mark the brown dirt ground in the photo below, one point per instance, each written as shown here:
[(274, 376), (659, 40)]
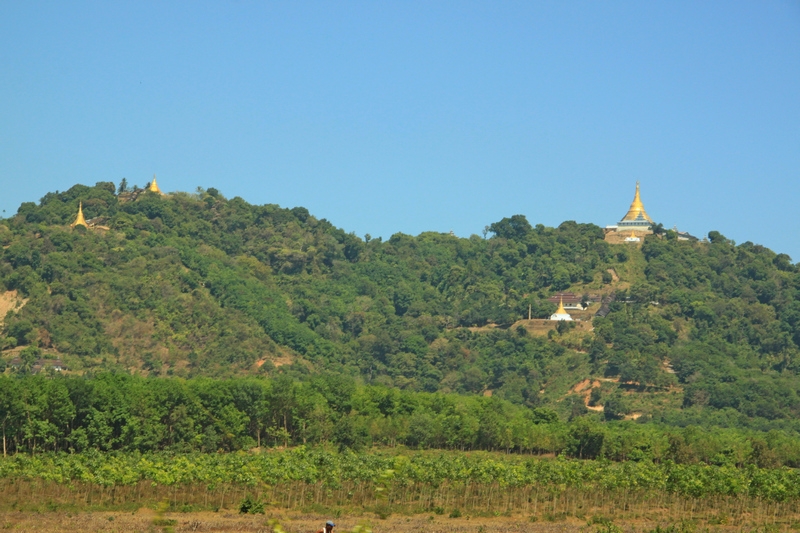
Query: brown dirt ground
[(540, 326), (10, 301), (223, 522), (226, 521)]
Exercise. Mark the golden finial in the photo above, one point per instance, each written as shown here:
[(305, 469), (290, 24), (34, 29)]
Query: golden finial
[(154, 186), (637, 208), (633, 234), (79, 220), (561, 310)]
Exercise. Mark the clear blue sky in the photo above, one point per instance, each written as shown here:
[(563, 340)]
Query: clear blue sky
[(407, 116)]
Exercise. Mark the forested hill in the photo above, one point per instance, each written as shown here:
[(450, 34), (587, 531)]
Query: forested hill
[(197, 284)]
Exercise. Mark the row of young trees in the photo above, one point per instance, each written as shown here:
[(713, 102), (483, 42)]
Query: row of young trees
[(121, 412), (397, 471)]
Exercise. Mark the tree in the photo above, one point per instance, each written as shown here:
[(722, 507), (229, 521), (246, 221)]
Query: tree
[(595, 396), (577, 408), (348, 433), (616, 407), (585, 439), (28, 358), (717, 238), (10, 410), (516, 227)]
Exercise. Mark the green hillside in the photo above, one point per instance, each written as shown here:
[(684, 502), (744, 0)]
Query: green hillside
[(193, 285)]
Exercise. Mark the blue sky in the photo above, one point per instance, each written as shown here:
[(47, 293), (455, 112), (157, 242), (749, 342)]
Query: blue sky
[(388, 117)]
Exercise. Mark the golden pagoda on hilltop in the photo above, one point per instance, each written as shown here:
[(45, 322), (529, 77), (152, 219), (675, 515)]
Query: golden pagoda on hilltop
[(154, 186), (634, 225), (636, 212), (79, 220)]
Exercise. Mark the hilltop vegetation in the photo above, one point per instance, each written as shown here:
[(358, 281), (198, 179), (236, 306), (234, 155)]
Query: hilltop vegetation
[(198, 285)]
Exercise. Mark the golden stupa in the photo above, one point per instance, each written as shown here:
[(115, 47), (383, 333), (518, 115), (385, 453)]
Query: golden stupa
[(79, 220), (637, 209), (154, 186), (561, 313), (561, 310)]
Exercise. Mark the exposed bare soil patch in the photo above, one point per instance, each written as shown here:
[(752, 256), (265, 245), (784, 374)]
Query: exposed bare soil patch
[(584, 388), (540, 326), (10, 301), (145, 520)]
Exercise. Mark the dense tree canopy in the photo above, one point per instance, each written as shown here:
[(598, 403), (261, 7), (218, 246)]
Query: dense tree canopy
[(193, 285), (119, 412)]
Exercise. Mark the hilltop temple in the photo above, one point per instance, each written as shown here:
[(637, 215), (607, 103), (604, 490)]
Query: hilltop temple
[(561, 313), (634, 225), (98, 223), (79, 220), (154, 186)]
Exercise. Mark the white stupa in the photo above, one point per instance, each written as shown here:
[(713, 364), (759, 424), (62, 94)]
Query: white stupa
[(561, 313), (633, 238)]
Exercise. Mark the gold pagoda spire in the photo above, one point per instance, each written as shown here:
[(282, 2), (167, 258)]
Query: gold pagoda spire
[(561, 310), (154, 186), (79, 220), (637, 208)]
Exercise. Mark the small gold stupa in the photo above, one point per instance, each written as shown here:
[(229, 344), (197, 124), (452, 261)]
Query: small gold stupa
[(561, 313), (636, 212), (79, 220), (154, 186)]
